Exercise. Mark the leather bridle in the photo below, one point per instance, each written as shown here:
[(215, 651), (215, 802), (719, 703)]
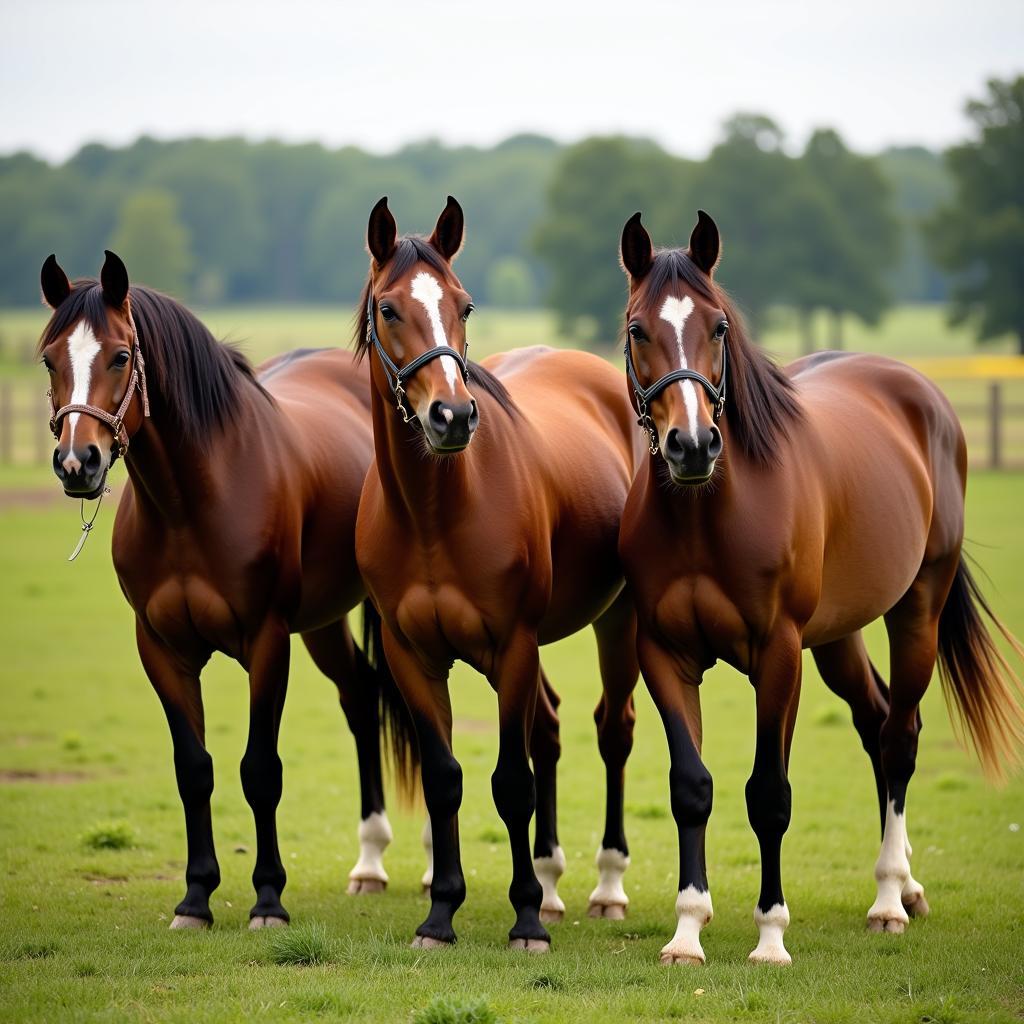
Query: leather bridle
[(644, 396), (115, 420), (398, 376)]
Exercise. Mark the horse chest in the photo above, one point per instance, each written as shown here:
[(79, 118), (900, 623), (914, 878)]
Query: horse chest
[(192, 616), (442, 623)]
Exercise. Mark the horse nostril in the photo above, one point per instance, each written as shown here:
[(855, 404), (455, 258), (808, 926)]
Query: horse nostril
[(93, 460), (673, 443), (715, 444), (58, 464), (474, 415), (440, 416)]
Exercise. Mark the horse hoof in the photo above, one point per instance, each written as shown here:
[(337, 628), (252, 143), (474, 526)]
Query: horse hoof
[(427, 942), (611, 911), (530, 945), (187, 921), (365, 886), (918, 906), (671, 959), (551, 916), (256, 923), (891, 925), (777, 956)]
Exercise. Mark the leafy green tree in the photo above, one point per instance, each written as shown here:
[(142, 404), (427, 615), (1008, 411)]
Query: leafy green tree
[(153, 242), (510, 285), (980, 235)]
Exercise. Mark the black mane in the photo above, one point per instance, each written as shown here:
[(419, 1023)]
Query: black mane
[(194, 380), (409, 251), (761, 402)]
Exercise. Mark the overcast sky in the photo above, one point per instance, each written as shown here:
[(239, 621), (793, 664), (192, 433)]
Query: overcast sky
[(384, 72)]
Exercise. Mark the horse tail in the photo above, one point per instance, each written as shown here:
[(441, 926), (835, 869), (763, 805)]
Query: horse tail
[(403, 752), (980, 687)]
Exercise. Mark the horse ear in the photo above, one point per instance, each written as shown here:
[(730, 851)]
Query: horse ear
[(449, 230), (56, 286), (636, 253), (705, 243), (381, 232), (114, 279)]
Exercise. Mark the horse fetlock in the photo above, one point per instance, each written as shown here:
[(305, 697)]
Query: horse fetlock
[(549, 870), (693, 912), (771, 924), (368, 875), (609, 898)]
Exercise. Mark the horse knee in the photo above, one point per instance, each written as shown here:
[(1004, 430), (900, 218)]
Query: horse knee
[(262, 780), (194, 772), (514, 791), (769, 803), (442, 786), (692, 792)]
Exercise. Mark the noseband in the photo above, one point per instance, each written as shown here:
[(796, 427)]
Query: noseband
[(644, 396), (115, 421), (397, 376)]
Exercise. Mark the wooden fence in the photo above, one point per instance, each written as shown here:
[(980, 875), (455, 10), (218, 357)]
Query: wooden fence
[(987, 393)]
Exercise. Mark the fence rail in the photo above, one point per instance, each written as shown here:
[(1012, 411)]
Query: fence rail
[(992, 412)]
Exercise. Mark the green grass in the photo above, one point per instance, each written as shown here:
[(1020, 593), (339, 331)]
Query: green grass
[(83, 933)]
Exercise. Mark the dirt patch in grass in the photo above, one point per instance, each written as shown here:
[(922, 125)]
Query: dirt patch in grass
[(63, 778)]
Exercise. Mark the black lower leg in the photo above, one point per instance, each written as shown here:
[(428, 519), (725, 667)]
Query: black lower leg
[(769, 808), (691, 790), (261, 783), (515, 798)]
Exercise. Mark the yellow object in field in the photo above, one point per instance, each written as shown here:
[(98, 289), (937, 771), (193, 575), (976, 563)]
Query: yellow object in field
[(980, 367)]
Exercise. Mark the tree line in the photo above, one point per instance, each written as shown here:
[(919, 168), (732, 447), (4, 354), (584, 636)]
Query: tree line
[(822, 229)]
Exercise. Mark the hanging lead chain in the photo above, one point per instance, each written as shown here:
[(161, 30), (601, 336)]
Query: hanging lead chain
[(87, 525)]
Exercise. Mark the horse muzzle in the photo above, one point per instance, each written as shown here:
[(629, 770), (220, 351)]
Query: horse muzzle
[(692, 459), (81, 471), (448, 427)]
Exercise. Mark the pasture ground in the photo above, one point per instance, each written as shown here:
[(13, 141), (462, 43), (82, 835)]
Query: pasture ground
[(85, 759)]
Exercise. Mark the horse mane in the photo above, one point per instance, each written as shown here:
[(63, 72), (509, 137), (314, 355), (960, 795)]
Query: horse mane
[(762, 402), (409, 251), (194, 379)]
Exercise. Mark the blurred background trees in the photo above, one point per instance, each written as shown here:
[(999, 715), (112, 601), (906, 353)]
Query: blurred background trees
[(825, 232)]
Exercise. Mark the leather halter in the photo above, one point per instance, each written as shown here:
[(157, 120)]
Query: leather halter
[(397, 376), (644, 396), (115, 421)]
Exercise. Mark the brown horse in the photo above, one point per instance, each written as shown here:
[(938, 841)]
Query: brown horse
[(236, 528), (488, 525), (789, 509)]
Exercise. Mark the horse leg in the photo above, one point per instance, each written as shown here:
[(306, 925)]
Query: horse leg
[(769, 797), (261, 768), (180, 694), (516, 678), (847, 671), (545, 750), (615, 716), (430, 705), (336, 655), (913, 626), (677, 698)]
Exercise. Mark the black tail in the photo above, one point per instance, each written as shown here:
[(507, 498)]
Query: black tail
[(403, 752), (980, 688)]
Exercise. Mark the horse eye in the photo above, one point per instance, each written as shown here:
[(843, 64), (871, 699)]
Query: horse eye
[(720, 331), (48, 365), (469, 309), (388, 313), (120, 360), (635, 332)]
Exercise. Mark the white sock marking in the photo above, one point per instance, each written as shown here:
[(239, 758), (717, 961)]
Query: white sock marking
[(549, 870), (676, 311), (82, 348), (427, 290), (771, 926), (428, 849), (611, 866), (374, 836), (892, 870), (693, 912)]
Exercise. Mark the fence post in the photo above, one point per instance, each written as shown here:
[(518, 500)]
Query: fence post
[(6, 423), (995, 424), (41, 433)]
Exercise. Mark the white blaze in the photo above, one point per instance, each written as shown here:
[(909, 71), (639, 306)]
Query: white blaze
[(676, 311), (82, 348), (425, 289)]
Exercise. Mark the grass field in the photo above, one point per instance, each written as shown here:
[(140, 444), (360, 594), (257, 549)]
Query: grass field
[(85, 760)]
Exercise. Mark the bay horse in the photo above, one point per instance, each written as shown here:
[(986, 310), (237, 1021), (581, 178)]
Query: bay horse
[(236, 528), (787, 509), (488, 526)]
